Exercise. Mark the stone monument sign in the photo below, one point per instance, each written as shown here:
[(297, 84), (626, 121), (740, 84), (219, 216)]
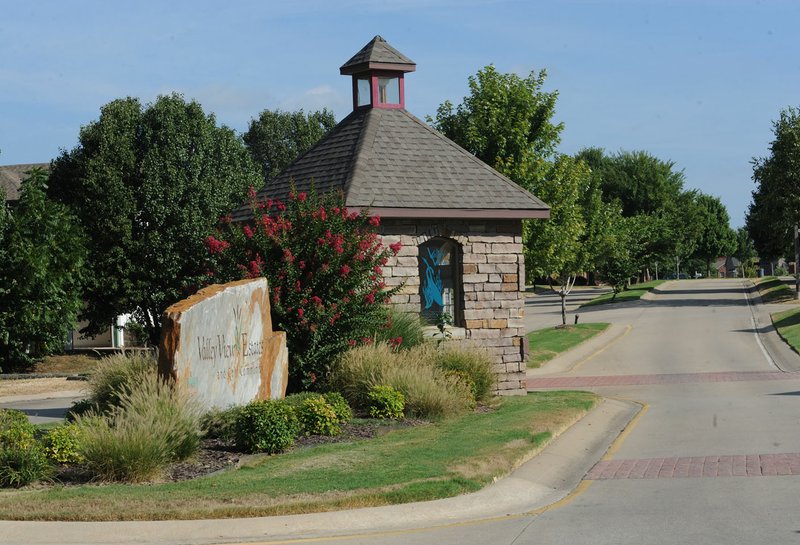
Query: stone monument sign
[(220, 343)]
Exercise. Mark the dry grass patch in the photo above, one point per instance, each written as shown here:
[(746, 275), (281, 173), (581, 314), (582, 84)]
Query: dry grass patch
[(38, 386)]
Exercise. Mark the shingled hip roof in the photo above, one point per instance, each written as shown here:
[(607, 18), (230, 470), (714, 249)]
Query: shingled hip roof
[(389, 161)]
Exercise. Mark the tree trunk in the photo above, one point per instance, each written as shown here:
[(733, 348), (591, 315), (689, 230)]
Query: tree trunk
[(563, 307)]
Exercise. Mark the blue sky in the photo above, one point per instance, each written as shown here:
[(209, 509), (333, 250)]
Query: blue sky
[(698, 82)]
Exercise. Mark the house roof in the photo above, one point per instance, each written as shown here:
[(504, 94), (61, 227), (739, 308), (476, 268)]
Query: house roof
[(11, 177), (389, 161), (375, 55)]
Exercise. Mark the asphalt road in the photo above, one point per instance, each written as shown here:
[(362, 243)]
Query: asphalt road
[(704, 461)]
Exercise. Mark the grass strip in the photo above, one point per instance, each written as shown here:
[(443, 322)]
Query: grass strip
[(774, 290), (787, 323), (413, 464), (546, 344), (633, 293)]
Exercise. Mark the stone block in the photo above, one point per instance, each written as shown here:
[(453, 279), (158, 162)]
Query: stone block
[(470, 268), (473, 258), (474, 278), (506, 248), (473, 324), (510, 287), (478, 247), (406, 261), (405, 271), (220, 344), (511, 278), (478, 314), (495, 278), (497, 324), (503, 258), (485, 296), (484, 333)]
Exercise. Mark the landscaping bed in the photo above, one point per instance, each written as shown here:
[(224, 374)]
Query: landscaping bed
[(774, 290), (421, 462)]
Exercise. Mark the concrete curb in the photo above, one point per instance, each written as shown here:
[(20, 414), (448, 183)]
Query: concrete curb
[(781, 354), (542, 481)]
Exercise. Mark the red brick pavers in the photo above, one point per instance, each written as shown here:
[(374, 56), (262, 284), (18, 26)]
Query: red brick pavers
[(754, 465), (674, 378)]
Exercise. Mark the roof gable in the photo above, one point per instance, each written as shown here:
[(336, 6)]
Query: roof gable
[(377, 54)]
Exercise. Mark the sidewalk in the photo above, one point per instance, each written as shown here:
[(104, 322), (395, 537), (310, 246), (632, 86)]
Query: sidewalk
[(780, 353)]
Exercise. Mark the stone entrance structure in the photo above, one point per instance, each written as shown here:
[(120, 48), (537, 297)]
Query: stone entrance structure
[(459, 220)]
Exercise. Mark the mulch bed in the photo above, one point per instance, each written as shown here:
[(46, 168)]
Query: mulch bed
[(217, 455)]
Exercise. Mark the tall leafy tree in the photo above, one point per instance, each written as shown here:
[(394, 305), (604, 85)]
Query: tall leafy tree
[(716, 237), (775, 209), (506, 121), (149, 184), (276, 138), (554, 248), (41, 257)]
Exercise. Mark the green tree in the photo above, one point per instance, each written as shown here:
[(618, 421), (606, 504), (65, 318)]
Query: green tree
[(148, 185), (41, 256), (506, 121), (623, 251), (553, 248), (716, 238), (745, 251), (775, 209), (276, 138)]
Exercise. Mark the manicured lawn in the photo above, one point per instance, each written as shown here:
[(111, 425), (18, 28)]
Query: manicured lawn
[(775, 290), (420, 463), (788, 325), (546, 344), (634, 293)]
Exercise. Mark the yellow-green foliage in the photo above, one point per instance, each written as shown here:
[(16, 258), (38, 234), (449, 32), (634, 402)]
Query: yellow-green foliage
[(429, 390), (63, 443), (385, 402)]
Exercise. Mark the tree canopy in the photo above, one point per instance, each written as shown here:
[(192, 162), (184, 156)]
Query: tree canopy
[(506, 121), (41, 257), (148, 184), (775, 208), (276, 138)]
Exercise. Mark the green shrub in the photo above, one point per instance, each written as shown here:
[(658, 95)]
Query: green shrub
[(23, 464), (154, 423), (402, 330), (62, 444), (15, 429), (340, 406), (317, 417), (116, 375), (385, 402), (266, 426), (429, 391), (472, 365), (296, 400), (219, 423)]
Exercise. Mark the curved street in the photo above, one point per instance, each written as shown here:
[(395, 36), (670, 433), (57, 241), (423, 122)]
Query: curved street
[(714, 455)]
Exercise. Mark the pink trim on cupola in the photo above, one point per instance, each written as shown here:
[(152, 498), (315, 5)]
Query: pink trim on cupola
[(375, 62)]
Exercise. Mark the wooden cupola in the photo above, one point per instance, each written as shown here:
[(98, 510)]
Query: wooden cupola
[(377, 71)]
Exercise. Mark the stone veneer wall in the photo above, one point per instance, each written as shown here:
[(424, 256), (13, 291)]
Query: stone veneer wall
[(493, 285)]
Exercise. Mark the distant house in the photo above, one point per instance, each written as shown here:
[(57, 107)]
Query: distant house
[(727, 267), (458, 219), (11, 177)]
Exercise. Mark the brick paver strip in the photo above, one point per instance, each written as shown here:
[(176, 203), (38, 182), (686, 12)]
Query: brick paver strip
[(666, 378), (753, 465)]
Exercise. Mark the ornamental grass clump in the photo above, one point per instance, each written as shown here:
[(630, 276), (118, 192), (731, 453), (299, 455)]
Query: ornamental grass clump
[(115, 376), (429, 391), (154, 424), (401, 331), (323, 265), (471, 364)]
